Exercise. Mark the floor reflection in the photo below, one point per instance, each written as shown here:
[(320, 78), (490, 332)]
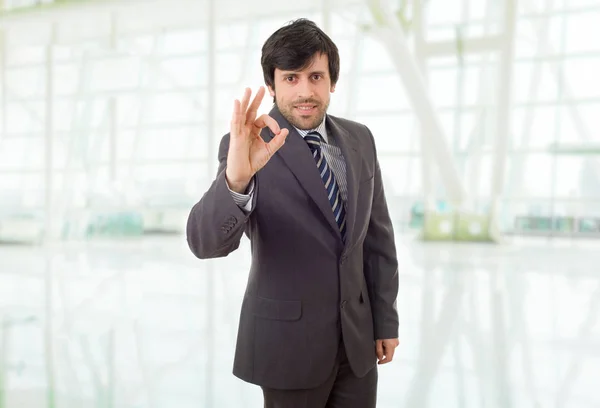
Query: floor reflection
[(145, 324)]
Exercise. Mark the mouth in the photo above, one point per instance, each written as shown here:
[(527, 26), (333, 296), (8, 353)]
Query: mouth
[(306, 109)]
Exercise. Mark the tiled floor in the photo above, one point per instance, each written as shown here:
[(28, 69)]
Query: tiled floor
[(144, 324)]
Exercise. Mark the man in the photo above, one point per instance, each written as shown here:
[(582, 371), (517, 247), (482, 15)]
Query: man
[(320, 305)]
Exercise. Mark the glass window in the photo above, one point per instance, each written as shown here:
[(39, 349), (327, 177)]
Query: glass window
[(24, 117), (402, 176), (534, 81), (381, 93), (234, 34), (25, 54), (442, 86), (184, 42), (583, 31), (374, 56), (539, 36), (115, 74), (535, 176), (534, 127), (574, 176), (581, 77), (170, 108), (393, 133), (588, 113), (177, 73), (444, 11), (27, 82)]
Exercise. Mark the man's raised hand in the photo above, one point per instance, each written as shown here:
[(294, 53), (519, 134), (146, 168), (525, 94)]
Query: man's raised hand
[(248, 152)]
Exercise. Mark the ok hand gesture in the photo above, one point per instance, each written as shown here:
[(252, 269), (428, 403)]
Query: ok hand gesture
[(248, 152)]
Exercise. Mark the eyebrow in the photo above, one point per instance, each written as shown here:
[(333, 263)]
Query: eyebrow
[(296, 73)]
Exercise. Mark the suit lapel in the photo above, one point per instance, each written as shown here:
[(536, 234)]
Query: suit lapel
[(349, 147), (296, 155)]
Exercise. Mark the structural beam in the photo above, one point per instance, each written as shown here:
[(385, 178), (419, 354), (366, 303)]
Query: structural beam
[(389, 31), (467, 46), (575, 149), (426, 155)]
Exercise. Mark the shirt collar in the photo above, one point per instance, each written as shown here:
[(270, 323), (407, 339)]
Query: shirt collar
[(321, 129)]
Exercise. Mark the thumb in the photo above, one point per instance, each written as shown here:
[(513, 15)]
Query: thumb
[(379, 350)]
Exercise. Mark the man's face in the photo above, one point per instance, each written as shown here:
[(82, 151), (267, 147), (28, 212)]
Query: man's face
[(303, 96)]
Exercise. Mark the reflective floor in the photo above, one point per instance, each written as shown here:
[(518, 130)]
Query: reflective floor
[(141, 324)]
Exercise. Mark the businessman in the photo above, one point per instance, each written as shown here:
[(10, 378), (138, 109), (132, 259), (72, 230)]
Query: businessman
[(319, 311)]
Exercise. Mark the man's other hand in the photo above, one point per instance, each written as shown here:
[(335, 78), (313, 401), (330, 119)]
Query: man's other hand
[(385, 350)]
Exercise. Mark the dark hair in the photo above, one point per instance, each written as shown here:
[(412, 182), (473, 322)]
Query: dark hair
[(293, 46)]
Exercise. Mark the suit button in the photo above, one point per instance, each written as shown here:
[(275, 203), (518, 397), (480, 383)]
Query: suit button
[(343, 305), (343, 260)]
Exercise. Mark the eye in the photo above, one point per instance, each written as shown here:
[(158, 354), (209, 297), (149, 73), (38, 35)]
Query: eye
[(316, 77), (290, 78)]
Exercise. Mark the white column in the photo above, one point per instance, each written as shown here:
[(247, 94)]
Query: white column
[(427, 161), (48, 221), (112, 109), (4, 84), (326, 16), (48, 137), (112, 140), (49, 330), (211, 146), (504, 115), (3, 360)]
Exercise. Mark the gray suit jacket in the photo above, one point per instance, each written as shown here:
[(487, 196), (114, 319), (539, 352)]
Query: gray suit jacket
[(305, 287)]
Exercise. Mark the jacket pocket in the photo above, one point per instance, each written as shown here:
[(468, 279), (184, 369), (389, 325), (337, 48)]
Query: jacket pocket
[(275, 309)]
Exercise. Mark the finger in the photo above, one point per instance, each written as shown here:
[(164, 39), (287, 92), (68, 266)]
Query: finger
[(245, 100), (236, 119), (277, 141), (379, 350), (266, 120), (253, 109)]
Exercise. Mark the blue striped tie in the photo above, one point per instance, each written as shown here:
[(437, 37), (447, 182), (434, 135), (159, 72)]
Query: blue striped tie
[(333, 192)]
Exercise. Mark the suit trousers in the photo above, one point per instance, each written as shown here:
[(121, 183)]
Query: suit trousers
[(342, 389)]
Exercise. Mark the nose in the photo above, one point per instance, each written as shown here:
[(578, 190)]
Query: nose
[(305, 89)]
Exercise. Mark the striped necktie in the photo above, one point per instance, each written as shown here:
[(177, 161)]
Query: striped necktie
[(313, 139)]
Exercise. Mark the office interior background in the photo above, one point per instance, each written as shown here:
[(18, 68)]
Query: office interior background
[(485, 115)]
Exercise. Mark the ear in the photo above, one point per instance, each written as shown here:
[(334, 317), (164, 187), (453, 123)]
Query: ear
[(332, 89), (271, 91)]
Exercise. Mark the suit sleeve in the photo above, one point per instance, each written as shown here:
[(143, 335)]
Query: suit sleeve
[(380, 262), (216, 223), (244, 201)]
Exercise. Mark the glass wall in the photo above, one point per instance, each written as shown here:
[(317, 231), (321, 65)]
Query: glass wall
[(115, 104)]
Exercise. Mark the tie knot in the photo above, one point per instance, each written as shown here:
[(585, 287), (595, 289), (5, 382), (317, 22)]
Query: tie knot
[(314, 140)]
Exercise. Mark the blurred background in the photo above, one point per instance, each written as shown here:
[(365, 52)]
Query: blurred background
[(485, 115)]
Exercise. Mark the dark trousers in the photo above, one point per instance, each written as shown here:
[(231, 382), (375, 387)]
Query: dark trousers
[(342, 389)]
